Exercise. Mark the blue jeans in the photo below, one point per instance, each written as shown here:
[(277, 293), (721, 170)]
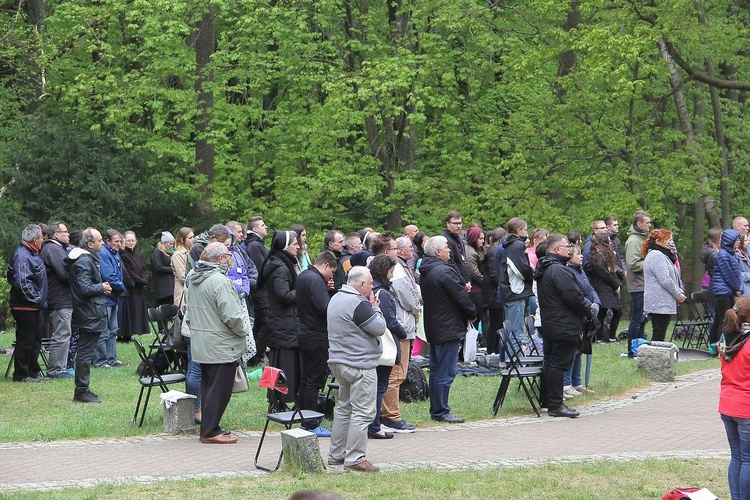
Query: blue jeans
[(738, 435), (384, 374), (636, 329), (514, 312), (193, 377), (573, 375), (443, 368), (106, 349)]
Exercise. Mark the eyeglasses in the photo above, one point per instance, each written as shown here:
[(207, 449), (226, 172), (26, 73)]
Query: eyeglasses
[(456, 223)]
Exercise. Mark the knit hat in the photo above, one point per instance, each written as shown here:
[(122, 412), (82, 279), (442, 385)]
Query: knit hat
[(166, 237), (472, 235)]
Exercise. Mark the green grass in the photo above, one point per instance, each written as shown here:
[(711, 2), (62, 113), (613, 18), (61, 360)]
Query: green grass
[(576, 481), (45, 412)]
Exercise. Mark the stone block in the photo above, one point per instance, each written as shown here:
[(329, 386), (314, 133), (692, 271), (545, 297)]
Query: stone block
[(179, 414), (657, 362), (301, 451)]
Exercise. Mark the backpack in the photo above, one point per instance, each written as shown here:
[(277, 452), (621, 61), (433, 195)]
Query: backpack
[(414, 386)]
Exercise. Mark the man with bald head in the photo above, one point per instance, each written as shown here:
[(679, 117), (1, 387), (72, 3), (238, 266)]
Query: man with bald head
[(741, 225)]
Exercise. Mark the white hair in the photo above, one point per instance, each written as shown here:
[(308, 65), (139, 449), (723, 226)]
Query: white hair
[(357, 274), (434, 244)]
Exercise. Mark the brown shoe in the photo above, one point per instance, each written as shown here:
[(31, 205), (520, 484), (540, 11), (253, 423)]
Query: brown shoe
[(363, 466), (219, 439)]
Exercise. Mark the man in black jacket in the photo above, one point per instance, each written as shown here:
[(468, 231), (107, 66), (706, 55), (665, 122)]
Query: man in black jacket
[(447, 311), (59, 303), (89, 307), (257, 251), (562, 307), (452, 234), (334, 241), (312, 288)]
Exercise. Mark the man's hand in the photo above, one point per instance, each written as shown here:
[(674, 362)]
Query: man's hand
[(331, 285), (468, 287), (374, 300), (594, 309), (107, 288)]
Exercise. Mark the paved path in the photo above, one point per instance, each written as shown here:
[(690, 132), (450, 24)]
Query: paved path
[(665, 420)]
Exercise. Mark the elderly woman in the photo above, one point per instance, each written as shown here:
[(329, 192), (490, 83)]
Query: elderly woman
[(131, 312), (661, 281), (279, 277)]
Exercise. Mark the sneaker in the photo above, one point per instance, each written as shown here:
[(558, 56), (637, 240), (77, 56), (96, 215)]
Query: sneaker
[(72, 372), (449, 418), (321, 432), (401, 426), (60, 375), (363, 466), (86, 397), (583, 389), (418, 358), (568, 389), (117, 362), (28, 380)]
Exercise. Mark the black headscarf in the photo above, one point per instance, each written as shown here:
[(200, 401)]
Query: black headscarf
[(279, 243)]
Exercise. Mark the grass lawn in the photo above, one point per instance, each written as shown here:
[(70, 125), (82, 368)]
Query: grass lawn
[(45, 412), (577, 481)]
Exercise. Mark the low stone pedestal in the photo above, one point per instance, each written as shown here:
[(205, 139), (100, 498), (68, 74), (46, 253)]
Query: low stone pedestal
[(657, 361), (301, 451), (179, 412)]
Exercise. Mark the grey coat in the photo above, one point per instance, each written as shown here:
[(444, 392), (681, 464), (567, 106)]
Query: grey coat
[(661, 284)]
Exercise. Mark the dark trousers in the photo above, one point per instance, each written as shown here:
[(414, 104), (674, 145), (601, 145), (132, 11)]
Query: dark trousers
[(659, 323), (443, 369), (87, 342), (611, 332), (28, 344), (559, 354), (259, 333), (288, 361), (314, 367), (490, 334), (636, 329), (384, 375), (216, 391), (723, 304)]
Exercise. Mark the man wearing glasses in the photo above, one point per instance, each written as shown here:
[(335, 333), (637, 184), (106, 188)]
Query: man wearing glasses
[(59, 303), (637, 234), (598, 226), (452, 232), (562, 307)]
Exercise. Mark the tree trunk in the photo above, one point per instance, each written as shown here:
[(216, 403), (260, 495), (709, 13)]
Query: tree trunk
[(726, 168), (678, 89), (204, 40)]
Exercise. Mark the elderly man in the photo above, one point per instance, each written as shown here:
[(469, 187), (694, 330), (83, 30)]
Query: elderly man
[(217, 337), (354, 325), (28, 299), (447, 312), (88, 293), (59, 303), (562, 307), (408, 308)]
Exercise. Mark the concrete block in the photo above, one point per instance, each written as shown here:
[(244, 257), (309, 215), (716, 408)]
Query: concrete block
[(302, 451), (179, 415), (657, 362)]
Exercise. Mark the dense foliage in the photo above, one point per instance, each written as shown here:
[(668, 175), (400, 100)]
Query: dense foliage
[(336, 113)]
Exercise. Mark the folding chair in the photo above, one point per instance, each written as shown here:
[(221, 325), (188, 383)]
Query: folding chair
[(151, 380), (517, 340), (160, 329), (167, 314), (516, 369), (690, 323), (43, 353), (275, 379), (531, 330)]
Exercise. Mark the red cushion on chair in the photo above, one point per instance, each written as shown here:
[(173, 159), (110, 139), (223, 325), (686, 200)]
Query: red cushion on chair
[(273, 378)]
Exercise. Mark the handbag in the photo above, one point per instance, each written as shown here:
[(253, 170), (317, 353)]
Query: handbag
[(388, 357), (470, 343), (240, 380)]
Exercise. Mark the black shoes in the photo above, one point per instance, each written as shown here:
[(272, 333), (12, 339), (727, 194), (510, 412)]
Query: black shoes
[(86, 397), (449, 418), (379, 435), (563, 411)]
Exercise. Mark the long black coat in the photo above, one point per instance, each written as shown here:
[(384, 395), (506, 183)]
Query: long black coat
[(283, 322), (447, 306), (163, 277)]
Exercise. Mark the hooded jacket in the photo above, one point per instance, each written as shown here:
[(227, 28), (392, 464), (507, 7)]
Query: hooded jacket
[(634, 259), (28, 280), (447, 306), (561, 302), (53, 255), (215, 316), (726, 278), (515, 262), (87, 291)]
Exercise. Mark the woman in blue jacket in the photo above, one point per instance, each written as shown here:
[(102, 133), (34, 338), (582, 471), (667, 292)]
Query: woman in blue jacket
[(726, 279)]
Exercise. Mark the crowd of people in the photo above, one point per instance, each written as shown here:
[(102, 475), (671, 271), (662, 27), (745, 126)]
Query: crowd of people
[(310, 315)]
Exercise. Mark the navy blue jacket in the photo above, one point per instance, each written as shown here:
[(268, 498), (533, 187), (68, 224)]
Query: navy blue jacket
[(726, 278), (53, 255), (28, 280)]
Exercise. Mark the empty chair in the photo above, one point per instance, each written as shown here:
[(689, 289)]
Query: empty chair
[(528, 376)]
